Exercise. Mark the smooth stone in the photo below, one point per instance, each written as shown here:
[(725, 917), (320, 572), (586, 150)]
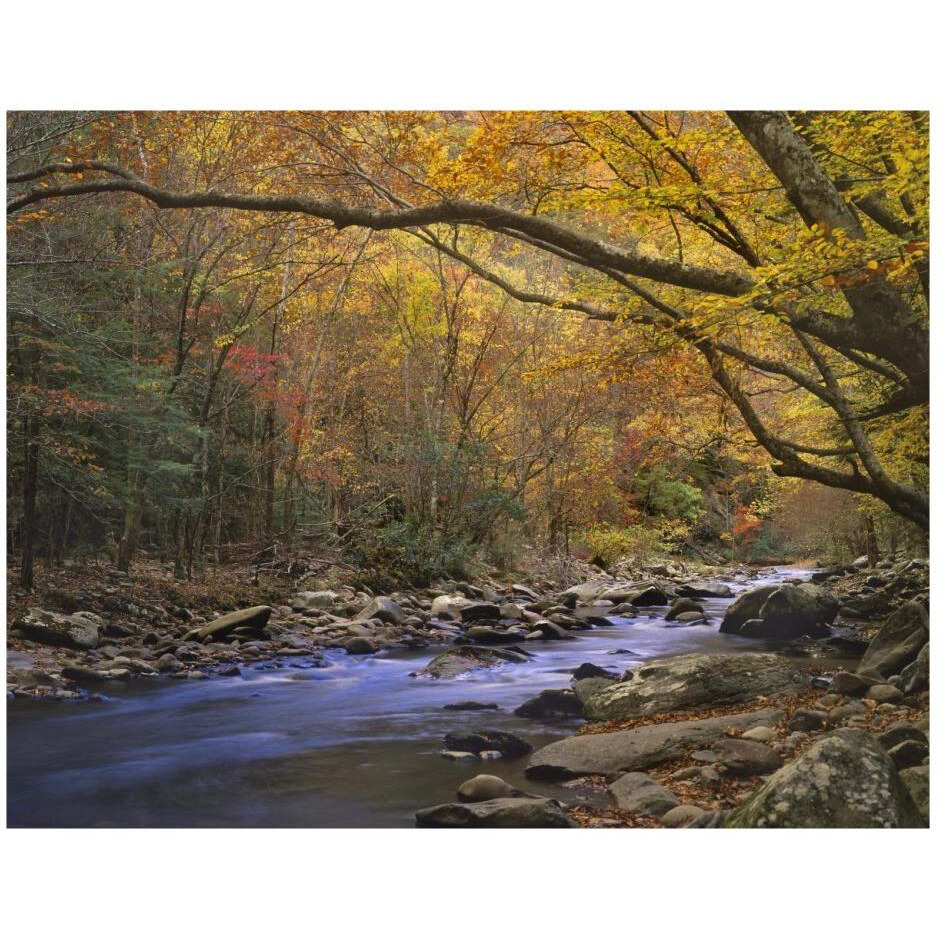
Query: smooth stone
[(740, 758), (639, 793), (682, 816), (506, 812)]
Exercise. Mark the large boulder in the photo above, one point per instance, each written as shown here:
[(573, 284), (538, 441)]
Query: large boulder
[(898, 643), (745, 607), (552, 703), (683, 607), (506, 812), (464, 659), (639, 793), (844, 780), (76, 631), (255, 617), (383, 609), (694, 681), (783, 612), (639, 749)]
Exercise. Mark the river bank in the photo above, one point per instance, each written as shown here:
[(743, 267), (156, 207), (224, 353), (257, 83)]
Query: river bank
[(332, 738)]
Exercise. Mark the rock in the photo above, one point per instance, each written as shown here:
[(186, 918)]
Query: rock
[(740, 758), (255, 617), (684, 605), (691, 682), (918, 782), (848, 683), (487, 787), (169, 663), (509, 745), (494, 634), (806, 719), (885, 693), (585, 688), (552, 703), (848, 710), (651, 596), (589, 670), (464, 659), (789, 611), (682, 816), (746, 607), (511, 611), (230, 671), (761, 734), (898, 643), (711, 588), (899, 732), (506, 812), (360, 646), (447, 605), (639, 749), (909, 754), (639, 793), (461, 757), (76, 631), (916, 677), (314, 599), (36, 678), (844, 780), (549, 630), (382, 608), (479, 611), (471, 706)]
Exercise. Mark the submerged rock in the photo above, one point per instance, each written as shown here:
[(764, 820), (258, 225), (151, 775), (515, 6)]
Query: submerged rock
[(692, 682), (508, 745), (844, 780), (506, 812)]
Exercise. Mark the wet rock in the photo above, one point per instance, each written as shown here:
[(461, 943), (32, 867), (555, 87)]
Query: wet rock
[(588, 670), (691, 682), (684, 605), (507, 812), (75, 631), (909, 754), (471, 706), (740, 758), (639, 793), (508, 745), (700, 590), (546, 629), (639, 749), (32, 678), (230, 671), (479, 611), (488, 787), (464, 659), (461, 757), (898, 643), (382, 608), (494, 634), (746, 607), (682, 816), (255, 617), (917, 780), (651, 596), (552, 703), (169, 663), (844, 780)]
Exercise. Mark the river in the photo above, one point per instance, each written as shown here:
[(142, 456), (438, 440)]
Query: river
[(353, 744)]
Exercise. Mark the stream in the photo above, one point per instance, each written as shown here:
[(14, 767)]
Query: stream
[(353, 744)]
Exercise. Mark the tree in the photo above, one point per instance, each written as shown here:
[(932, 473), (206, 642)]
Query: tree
[(787, 252)]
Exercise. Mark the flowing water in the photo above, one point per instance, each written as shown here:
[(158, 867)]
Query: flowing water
[(354, 744)]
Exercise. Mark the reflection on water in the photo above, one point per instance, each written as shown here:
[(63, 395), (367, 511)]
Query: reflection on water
[(353, 744)]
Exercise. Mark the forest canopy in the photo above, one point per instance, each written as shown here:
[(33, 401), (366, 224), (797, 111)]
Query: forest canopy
[(421, 337)]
